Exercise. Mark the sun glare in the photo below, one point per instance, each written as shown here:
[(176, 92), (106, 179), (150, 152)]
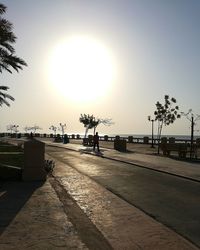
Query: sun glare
[(82, 69)]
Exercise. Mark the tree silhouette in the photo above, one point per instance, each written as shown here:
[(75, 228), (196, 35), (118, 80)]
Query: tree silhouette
[(33, 128), (106, 122), (8, 60), (54, 128), (4, 96), (89, 122), (166, 114)]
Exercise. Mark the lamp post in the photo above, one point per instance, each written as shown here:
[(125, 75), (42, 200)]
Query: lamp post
[(63, 126), (152, 137), (192, 118), (15, 129)]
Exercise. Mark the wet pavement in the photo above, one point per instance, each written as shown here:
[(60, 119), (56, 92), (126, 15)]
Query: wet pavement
[(72, 211)]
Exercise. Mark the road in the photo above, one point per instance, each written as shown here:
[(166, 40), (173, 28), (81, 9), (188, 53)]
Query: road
[(169, 199)]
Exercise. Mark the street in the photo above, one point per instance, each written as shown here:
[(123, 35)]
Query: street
[(169, 199)]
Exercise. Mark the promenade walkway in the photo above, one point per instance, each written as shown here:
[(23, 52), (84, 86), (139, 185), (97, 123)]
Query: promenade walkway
[(52, 215)]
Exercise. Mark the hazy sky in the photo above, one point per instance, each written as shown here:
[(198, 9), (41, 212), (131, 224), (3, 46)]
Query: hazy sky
[(136, 50)]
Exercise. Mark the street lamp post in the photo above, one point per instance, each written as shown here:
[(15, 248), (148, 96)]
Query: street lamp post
[(152, 137), (15, 129), (192, 135), (192, 118), (63, 126)]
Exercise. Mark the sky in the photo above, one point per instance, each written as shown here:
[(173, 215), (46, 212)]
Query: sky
[(110, 58)]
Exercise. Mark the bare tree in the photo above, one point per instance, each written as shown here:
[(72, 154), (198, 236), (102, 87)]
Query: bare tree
[(105, 121), (10, 128)]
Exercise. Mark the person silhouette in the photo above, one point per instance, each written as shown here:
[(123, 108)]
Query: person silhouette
[(96, 142)]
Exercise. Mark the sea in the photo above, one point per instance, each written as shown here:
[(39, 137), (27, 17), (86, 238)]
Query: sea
[(182, 137), (178, 137)]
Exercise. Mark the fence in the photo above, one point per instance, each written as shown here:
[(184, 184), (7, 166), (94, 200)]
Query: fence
[(128, 139)]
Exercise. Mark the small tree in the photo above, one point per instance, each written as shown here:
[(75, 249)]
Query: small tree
[(166, 114), (32, 129), (54, 128), (13, 128), (89, 122), (10, 128)]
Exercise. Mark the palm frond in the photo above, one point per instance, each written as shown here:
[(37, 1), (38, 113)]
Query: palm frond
[(2, 8), (4, 88), (4, 96)]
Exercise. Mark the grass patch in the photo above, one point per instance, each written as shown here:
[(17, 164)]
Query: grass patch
[(11, 155), (12, 159), (10, 148)]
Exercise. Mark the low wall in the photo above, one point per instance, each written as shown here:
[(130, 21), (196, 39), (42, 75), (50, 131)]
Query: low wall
[(129, 139)]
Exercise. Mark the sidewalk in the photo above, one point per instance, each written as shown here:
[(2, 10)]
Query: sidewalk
[(70, 209)]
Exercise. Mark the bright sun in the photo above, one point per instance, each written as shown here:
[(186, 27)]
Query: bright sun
[(82, 69)]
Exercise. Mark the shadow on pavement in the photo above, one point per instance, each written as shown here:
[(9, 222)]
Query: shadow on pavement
[(13, 196), (89, 150)]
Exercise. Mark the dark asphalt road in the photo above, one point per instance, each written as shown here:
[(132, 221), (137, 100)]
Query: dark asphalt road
[(170, 200)]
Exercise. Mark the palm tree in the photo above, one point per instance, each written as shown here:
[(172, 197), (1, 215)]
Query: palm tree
[(4, 96), (8, 59)]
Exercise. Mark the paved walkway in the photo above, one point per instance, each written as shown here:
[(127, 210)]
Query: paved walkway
[(44, 216)]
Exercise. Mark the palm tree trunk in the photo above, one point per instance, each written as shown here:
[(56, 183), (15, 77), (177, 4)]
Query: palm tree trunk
[(86, 130)]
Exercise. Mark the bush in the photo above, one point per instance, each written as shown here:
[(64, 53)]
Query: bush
[(49, 166)]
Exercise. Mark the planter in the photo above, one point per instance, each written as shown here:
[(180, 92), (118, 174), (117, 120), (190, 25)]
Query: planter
[(171, 140), (130, 139), (120, 145), (65, 139), (105, 137), (146, 140)]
